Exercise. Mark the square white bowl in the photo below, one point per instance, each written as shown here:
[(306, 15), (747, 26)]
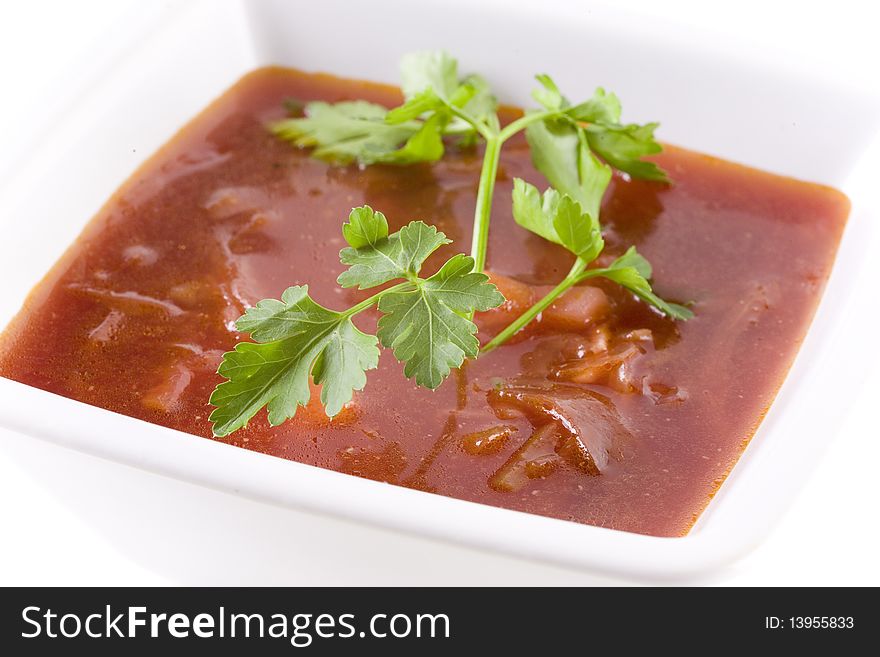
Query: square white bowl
[(166, 65)]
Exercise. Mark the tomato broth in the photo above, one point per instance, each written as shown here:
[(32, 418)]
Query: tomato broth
[(603, 412)]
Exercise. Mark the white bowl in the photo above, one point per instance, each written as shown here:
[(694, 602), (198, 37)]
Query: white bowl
[(171, 66)]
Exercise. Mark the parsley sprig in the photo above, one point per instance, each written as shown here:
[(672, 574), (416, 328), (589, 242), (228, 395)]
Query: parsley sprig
[(427, 322), (563, 146), (423, 321)]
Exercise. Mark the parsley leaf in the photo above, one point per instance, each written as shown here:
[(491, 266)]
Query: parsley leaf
[(426, 101), (343, 132), (562, 155), (430, 84), (481, 105), (365, 227), (356, 131), (550, 96), (436, 104), (341, 366), (426, 145), (632, 271), (637, 261), (596, 123), (558, 218), (385, 257), (436, 70), (603, 107), (430, 79), (426, 327), (423, 324), (294, 337), (623, 146)]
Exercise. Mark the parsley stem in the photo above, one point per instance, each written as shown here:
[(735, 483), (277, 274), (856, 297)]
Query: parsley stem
[(573, 277), (373, 300), (522, 122), (579, 265), (529, 315), (483, 209), (485, 132)]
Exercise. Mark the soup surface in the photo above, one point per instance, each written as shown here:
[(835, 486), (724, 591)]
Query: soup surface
[(602, 413)]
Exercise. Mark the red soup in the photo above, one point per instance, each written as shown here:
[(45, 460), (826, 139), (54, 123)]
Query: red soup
[(603, 412)]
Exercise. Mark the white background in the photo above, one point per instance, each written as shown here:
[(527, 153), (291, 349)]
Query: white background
[(53, 533)]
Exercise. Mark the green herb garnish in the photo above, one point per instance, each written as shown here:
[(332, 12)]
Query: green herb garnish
[(437, 104), (422, 321), (427, 322)]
